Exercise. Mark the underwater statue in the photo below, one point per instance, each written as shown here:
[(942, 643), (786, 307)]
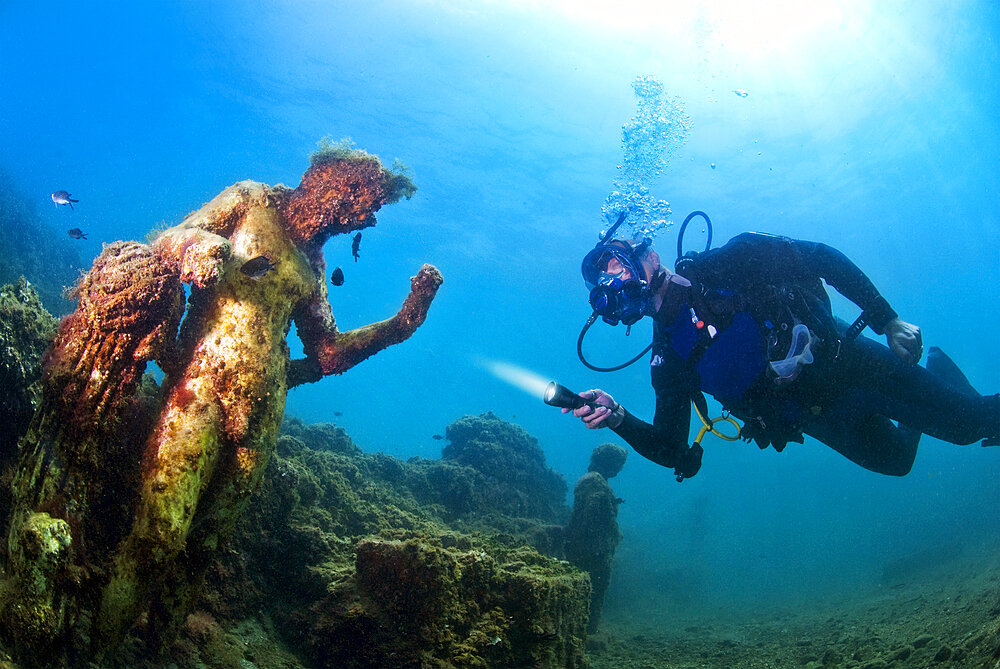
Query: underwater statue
[(592, 534), (124, 492)]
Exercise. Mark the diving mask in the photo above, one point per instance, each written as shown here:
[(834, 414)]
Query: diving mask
[(619, 300), (621, 296)]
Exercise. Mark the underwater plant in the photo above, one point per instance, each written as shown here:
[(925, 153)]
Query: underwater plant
[(122, 496)]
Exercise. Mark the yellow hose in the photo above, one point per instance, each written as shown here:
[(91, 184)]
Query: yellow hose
[(709, 426)]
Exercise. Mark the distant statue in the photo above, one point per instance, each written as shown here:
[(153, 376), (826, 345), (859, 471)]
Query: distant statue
[(592, 534)]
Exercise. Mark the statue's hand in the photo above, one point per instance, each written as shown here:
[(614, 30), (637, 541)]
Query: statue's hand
[(203, 258), (197, 254)]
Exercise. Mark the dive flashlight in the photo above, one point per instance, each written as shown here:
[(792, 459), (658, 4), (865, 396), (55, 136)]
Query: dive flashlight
[(560, 396)]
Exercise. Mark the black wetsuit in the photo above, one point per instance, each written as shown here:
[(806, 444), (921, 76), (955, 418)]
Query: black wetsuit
[(719, 335)]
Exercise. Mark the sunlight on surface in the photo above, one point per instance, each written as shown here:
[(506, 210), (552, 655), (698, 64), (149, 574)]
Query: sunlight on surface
[(779, 28), (776, 31)]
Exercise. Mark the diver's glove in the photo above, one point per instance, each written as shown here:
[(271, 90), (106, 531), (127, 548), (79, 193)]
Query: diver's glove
[(904, 340), (688, 461)]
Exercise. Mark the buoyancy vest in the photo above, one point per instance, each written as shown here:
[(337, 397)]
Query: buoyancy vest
[(727, 357), (728, 332)]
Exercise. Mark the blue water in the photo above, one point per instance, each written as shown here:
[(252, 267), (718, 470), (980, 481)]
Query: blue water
[(870, 128)]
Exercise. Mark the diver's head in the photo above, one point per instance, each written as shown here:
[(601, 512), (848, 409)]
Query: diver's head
[(618, 273)]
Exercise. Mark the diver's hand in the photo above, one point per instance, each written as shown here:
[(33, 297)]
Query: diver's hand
[(904, 340), (688, 461), (608, 413)]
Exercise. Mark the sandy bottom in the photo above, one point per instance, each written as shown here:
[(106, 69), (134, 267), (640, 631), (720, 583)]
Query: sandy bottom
[(948, 618)]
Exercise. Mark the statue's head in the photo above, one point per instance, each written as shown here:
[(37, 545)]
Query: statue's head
[(340, 192)]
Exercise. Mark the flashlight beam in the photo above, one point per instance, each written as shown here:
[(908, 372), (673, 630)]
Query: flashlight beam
[(520, 378)]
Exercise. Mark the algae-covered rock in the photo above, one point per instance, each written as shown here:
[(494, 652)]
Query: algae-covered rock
[(320, 436), (422, 602), (518, 481), (329, 529), (26, 330), (41, 552), (592, 536), (607, 460)]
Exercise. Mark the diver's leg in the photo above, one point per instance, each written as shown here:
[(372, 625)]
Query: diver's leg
[(914, 396), (867, 439)]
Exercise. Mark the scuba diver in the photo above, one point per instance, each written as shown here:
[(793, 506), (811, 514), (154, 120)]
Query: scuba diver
[(751, 324)]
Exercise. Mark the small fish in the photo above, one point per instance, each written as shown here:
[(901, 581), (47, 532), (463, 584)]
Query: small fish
[(257, 267), (437, 436), (338, 413), (741, 92), (355, 246), (337, 278), (76, 233), (62, 197)]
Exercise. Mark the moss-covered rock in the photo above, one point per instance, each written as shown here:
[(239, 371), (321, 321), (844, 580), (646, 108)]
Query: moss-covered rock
[(26, 330), (428, 601), (607, 460), (518, 483)]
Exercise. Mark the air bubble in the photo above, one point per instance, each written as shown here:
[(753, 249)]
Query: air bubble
[(649, 138)]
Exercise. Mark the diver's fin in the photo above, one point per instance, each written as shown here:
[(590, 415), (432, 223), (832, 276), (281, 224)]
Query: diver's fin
[(941, 366)]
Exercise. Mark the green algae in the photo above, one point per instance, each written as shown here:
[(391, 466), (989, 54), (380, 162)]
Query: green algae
[(26, 330), (340, 545), (519, 484)]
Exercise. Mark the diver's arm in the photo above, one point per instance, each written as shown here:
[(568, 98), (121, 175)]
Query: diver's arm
[(904, 339), (662, 443), (847, 278), (665, 441)]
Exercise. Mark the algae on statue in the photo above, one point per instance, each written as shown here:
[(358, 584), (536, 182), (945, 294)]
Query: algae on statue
[(227, 372)]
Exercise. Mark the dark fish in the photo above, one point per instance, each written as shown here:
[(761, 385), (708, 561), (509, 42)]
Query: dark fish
[(77, 233), (437, 436), (337, 278), (62, 197), (338, 413), (257, 267), (355, 246)]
